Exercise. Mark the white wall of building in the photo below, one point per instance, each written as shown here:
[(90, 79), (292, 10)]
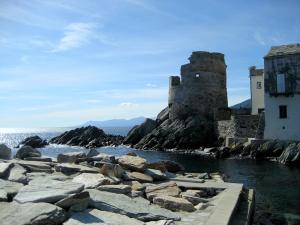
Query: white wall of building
[(257, 93), (277, 128)]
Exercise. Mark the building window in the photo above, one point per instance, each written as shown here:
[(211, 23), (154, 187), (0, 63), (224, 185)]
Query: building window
[(258, 85), (282, 111), (280, 83)]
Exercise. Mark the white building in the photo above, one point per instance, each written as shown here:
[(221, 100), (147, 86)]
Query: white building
[(257, 90), (282, 92)]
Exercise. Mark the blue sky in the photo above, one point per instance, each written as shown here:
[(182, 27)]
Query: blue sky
[(65, 62)]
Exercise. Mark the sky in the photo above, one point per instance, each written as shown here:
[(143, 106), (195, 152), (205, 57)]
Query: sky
[(65, 62)]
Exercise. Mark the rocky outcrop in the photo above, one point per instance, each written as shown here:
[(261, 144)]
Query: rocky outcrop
[(90, 137), (291, 155), (91, 180), (27, 151), (190, 133), (140, 131), (34, 142), (5, 152)]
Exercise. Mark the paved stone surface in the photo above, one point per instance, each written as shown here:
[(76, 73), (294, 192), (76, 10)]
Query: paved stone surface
[(138, 208), (30, 213), (95, 217), (47, 190)]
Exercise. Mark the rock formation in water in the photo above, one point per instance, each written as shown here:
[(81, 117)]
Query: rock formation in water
[(89, 137), (194, 101)]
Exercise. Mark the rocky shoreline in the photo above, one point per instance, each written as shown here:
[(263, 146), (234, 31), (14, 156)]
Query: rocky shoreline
[(285, 152), (96, 188)]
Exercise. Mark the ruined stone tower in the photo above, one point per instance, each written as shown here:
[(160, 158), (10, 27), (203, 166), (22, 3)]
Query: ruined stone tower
[(201, 90)]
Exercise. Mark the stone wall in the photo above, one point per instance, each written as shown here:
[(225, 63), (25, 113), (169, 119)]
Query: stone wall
[(241, 126), (201, 90)]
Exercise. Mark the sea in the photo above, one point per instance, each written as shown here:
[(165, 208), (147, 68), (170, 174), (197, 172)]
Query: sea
[(277, 186)]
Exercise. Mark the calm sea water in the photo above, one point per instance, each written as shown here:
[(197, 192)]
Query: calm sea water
[(277, 186)]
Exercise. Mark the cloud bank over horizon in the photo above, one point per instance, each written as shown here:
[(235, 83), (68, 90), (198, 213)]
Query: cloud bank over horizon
[(66, 62)]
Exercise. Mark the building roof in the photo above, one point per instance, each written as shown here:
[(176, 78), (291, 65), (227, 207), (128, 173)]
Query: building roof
[(284, 50)]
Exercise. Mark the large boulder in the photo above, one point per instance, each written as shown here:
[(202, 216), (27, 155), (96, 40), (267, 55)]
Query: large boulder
[(95, 216), (5, 152), (91, 180), (137, 208), (27, 151), (163, 189), (31, 213), (71, 157), (174, 204), (172, 166), (134, 163), (47, 190), (291, 155), (137, 176), (34, 142), (112, 170), (139, 131)]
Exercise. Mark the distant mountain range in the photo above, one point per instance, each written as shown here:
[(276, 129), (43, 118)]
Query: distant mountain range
[(116, 122), (245, 104)]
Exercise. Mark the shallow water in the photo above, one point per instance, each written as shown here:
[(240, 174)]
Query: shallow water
[(277, 186)]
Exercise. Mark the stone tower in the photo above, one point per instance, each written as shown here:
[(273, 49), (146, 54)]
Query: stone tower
[(201, 90)]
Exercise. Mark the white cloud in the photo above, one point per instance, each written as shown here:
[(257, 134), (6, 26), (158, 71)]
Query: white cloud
[(151, 85), (128, 104), (76, 35)]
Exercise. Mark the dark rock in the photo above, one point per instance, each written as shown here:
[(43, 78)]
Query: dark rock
[(27, 151), (90, 137), (72, 157), (34, 141), (5, 152), (190, 133), (172, 166), (139, 131), (131, 154), (163, 115), (92, 152)]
